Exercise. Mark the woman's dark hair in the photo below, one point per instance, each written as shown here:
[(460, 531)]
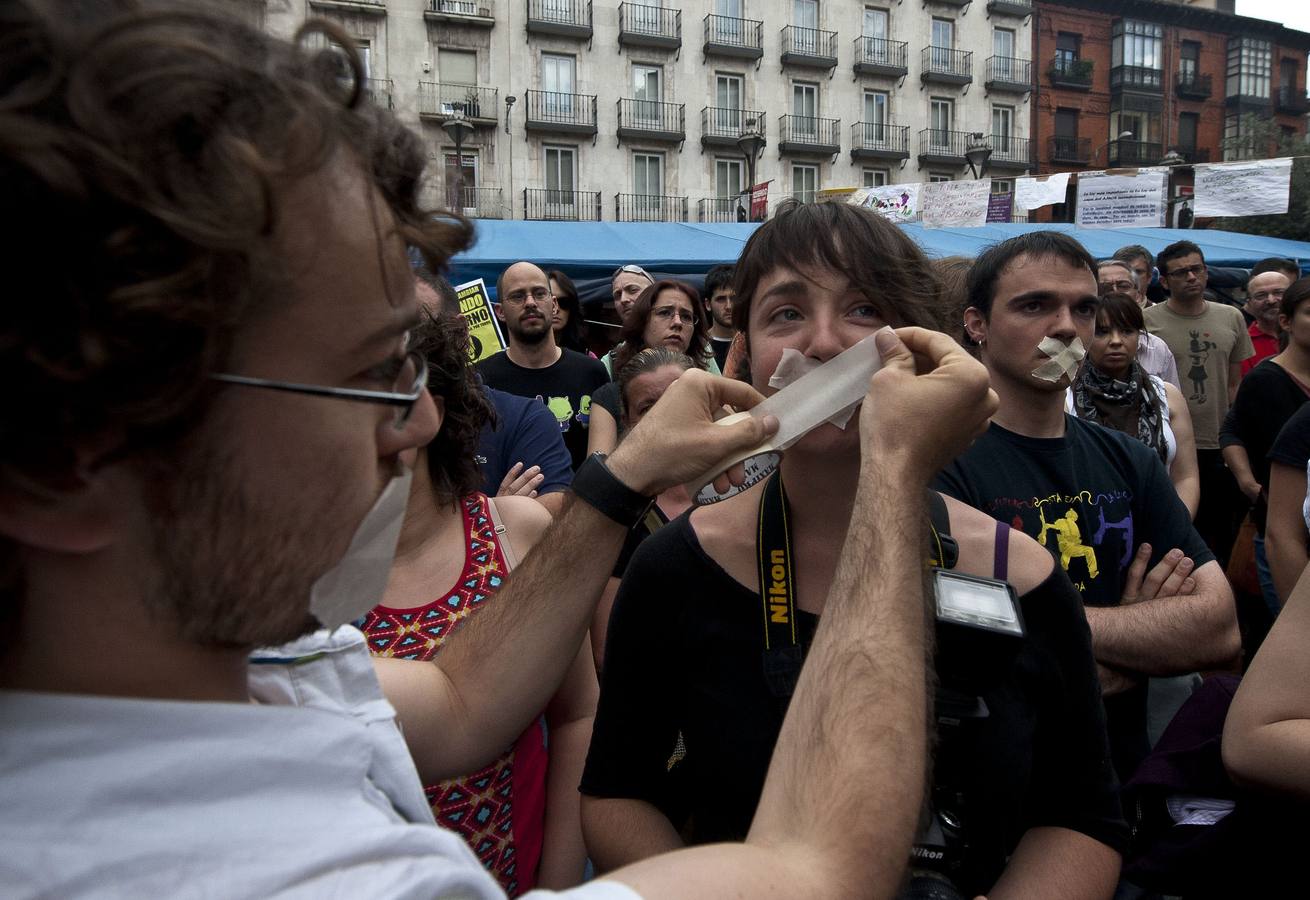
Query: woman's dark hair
[(648, 360), (572, 336), (1120, 311), (634, 326), (443, 339), (1296, 294), (879, 259)]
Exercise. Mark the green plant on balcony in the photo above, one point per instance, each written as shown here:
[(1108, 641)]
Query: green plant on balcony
[(1078, 71)]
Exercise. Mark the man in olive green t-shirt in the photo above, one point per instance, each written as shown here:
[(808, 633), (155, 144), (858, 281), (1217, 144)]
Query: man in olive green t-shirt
[(1209, 341)]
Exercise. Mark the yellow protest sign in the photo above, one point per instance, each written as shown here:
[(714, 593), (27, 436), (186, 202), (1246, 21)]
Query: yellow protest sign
[(485, 338)]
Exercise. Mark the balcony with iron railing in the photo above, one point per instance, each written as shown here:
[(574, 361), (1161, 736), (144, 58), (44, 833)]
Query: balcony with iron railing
[(649, 208), (1071, 74), (475, 13), (563, 206), (1133, 153), (378, 91), (875, 56), (650, 26), (479, 202), (1010, 7), (722, 209), (958, 3), (730, 36), (1070, 150), (1009, 74), (562, 18), (721, 126), (372, 7), (1191, 85), (879, 140), (946, 66), (809, 136), (811, 48), (938, 145), (652, 120), (1193, 155), (1292, 101), (561, 113), (1136, 78), (1009, 153), (440, 101)]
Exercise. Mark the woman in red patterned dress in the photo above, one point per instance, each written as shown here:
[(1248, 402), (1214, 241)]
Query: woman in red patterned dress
[(520, 812)]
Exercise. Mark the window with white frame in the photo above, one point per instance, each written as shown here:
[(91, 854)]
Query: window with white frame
[(727, 103), (876, 118), (647, 91), (940, 176), (561, 165), (1250, 67), (874, 177), (805, 110), (461, 181), (941, 122), (1002, 129), (728, 185), (804, 182), (558, 80)]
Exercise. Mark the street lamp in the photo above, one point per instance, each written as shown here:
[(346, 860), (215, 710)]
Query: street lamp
[(751, 144), (459, 128), (977, 153)]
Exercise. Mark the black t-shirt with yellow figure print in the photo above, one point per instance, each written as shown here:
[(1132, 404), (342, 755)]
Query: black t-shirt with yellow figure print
[(565, 387), (1091, 498)]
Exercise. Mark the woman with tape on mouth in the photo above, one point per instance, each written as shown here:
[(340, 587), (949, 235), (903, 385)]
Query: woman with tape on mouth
[(666, 314), (686, 639)]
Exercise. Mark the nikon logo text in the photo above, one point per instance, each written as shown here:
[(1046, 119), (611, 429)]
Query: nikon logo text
[(778, 590)]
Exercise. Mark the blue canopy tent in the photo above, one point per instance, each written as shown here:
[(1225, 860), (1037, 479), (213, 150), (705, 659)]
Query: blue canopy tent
[(590, 251)]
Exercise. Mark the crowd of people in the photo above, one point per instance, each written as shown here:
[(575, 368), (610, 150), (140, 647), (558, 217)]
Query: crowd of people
[(351, 614)]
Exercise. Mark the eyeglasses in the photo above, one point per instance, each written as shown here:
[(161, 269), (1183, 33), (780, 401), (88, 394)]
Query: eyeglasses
[(1117, 287), (1197, 270), (539, 294), (1274, 294), (632, 270), (668, 313), (411, 381)]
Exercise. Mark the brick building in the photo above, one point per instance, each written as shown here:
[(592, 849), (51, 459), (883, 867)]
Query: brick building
[(1125, 82)]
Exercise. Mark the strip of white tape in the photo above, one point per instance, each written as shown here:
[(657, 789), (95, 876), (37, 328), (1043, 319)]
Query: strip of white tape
[(815, 397)]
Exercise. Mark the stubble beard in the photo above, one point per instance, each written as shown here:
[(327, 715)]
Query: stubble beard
[(236, 569)]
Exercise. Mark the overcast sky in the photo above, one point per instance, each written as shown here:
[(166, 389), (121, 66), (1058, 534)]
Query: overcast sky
[(1291, 13)]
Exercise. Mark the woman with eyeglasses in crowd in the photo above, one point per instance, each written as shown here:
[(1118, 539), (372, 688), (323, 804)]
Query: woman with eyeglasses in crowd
[(666, 314)]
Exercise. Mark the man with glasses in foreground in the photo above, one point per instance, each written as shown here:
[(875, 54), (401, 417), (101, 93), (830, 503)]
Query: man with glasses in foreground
[(1209, 341), (533, 365), (163, 523)]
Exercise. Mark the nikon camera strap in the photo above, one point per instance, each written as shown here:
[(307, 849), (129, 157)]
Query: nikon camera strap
[(783, 655)]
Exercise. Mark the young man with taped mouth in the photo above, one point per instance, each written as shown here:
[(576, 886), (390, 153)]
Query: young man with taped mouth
[(691, 696), (209, 454), (1099, 500)]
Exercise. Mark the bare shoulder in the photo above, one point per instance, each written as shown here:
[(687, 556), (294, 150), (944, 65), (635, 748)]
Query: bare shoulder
[(525, 521), (1028, 563), (1173, 395)]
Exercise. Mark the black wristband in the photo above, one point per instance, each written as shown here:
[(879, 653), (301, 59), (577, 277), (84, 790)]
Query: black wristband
[(597, 486)]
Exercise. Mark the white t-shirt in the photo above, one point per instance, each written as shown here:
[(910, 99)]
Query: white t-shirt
[(308, 793)]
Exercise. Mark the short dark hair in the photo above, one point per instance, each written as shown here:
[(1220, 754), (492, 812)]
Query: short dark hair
[(992, 262), (880, 259), (1276, 264), (634, 326), (1176, 250), (1134, 251), (718, 278), (443, 339), (1120, 311), (1294, 296), (573, 335)]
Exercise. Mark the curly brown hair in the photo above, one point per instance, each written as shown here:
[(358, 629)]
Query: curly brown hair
[(143, 146), (443, 339), (633, 334)]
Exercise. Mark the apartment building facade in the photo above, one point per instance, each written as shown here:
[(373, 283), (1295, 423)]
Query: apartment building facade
[(608, 110), (1133, 82)]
